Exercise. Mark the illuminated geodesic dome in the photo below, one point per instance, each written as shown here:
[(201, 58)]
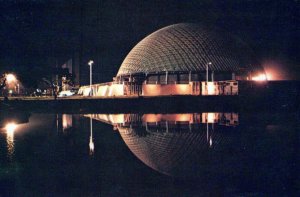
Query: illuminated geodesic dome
[(184, 48)]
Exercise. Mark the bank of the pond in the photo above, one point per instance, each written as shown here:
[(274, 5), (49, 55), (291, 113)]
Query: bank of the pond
[(274, 96)]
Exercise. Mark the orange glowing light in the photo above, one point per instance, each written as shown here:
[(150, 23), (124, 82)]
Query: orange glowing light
[(277, 70), (151, 118), (182, 117), (269, 76), (260, 77), (10, 127), (183, 88), (10, 78), (66, 121)]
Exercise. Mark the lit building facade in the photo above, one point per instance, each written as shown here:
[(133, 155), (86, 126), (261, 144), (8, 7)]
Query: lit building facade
[(182, 59)]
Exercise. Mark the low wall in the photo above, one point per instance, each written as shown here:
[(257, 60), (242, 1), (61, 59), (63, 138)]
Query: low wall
[(166, 89), (86, 91), (107, 90), (110, 90), (210, 88)]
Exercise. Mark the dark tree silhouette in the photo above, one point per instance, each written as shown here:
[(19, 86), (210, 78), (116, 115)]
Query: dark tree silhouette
[(53, 86), (68, 78), (3, 83), (2, 86)]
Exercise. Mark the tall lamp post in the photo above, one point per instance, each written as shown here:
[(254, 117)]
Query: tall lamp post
[(209, 63), (90, 63)]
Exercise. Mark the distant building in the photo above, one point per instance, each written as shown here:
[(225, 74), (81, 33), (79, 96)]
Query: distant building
[(70, 67), (182, 59)]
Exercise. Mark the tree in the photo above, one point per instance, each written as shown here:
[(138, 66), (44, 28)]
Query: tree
[(2, 82), (52, 85), (63, 74), (67, 77)]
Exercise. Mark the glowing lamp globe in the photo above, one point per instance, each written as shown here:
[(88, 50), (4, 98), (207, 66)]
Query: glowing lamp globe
[(10, 78)]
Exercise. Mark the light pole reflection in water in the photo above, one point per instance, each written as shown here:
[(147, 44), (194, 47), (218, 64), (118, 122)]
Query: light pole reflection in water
[(211, 119), (208, 134), (10, 130), (176, 144), (64, 122), (91, 143), (67, 121), (56, 123)]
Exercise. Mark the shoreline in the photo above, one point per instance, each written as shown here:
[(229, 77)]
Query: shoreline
[(157, 104), (273, 96)]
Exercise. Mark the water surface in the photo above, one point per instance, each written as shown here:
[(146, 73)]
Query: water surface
[(183, 154)]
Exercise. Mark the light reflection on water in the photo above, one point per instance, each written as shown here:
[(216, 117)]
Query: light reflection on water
[(222, 118), (247, 152), (91, 143), (66, 121), (10, 130), (171, 143), (169, 122)]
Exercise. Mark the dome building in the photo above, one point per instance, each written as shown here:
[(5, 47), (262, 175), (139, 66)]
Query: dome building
[(182, 49), (184, 59)]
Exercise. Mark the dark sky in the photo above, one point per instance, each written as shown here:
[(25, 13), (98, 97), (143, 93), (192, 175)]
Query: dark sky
[(34, 33)]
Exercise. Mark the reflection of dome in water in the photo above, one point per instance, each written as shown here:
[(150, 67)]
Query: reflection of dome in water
[(172, 153), (188, 47)]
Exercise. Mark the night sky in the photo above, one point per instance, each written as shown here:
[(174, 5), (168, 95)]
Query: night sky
[(36, 34)]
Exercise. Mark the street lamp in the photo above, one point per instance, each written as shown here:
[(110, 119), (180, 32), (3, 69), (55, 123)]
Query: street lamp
[(209, 63), (90, 63)]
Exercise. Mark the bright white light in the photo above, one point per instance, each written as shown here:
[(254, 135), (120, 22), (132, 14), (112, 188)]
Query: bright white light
[(210, 142), (92, 146), (90, 63), (211, 117), (66, 121), (10, 130), (260, 77), (211, 88), (10, 127), (10, 78)]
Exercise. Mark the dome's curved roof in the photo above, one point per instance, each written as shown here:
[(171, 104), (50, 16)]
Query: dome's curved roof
[(172, 153), (187, 47)]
